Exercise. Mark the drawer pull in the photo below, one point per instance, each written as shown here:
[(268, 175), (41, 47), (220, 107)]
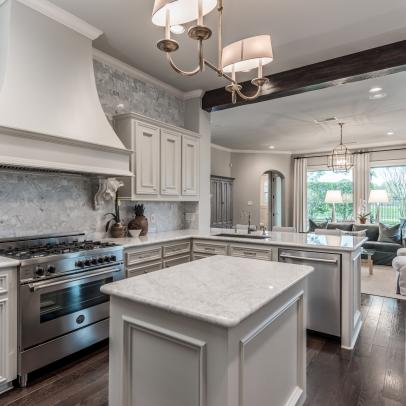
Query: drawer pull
[(250, 253), (209, 248)]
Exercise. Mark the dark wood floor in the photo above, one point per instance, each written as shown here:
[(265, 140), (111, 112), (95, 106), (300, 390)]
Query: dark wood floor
[(373, 374)]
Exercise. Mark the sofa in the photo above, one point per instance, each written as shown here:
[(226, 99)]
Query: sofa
[(385, 251)]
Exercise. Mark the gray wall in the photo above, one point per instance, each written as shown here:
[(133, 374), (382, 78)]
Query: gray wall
[(36, 203), (247, 169), (220, 162)]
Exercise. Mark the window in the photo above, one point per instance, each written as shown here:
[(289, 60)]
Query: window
[(318, 183), (393, 180)]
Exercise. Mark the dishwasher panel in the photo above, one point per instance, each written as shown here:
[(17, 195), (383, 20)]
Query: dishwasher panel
[(324, 288)]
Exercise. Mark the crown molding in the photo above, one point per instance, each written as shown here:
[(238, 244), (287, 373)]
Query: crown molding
[(60, 15), (251, 151)]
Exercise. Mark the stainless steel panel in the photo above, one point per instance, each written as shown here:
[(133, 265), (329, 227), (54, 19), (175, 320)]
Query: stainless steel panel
[(324, 288), (60, 347)]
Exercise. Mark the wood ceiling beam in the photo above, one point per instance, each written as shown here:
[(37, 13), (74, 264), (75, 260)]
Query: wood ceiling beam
[(375, 62)]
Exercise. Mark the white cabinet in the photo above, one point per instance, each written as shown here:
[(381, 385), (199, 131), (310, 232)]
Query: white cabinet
[(147, 159), (190, 166), (170, 163), (165, 160), (8, 327)]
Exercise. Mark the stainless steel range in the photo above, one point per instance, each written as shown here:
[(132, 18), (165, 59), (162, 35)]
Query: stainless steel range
[(61, 309)]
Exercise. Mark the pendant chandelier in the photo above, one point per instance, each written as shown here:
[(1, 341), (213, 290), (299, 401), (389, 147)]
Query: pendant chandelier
[(241, 56), (341, 159)]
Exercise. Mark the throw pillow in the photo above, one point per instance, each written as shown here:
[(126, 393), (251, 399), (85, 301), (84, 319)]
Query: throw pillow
[(361, 233), (389, 234), (313, 225)]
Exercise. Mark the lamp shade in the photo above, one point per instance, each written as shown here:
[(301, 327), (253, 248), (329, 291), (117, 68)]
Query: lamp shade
[(244, 55), (378, 196), (181, 11), (333, 196)]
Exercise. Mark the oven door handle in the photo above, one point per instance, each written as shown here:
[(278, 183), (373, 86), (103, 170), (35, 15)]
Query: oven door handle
[(42, 285)]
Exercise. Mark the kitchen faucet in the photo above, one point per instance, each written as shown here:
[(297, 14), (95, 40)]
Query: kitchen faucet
[(249, 222)]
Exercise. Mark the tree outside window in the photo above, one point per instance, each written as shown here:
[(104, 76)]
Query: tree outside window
[(318, 183)]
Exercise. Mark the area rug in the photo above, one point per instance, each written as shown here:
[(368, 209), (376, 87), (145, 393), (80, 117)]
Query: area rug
[(381, 283)]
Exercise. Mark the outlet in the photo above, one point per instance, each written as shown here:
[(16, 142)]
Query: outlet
[(152, 219), (250, 203)]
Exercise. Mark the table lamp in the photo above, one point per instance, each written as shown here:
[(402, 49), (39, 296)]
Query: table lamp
[(333, 197), (378, 196)]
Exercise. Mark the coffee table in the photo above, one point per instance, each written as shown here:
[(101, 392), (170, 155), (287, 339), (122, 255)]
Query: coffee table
[(366, 256)]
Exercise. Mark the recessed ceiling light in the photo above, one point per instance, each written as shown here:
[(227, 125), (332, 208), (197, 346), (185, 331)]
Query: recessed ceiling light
[(390, 133), (177, 29), (375, 89), (377, 96), (271, 147)]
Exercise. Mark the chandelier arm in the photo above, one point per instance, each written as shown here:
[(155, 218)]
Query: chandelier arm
[(220, 37), (219, 71), (193, 72), (244, 97)]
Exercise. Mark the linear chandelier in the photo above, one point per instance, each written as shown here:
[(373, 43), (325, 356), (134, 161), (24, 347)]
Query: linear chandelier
[(240, 56), (341, 158)]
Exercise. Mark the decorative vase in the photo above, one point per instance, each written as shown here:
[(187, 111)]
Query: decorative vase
[(117, 230), (139, 223)]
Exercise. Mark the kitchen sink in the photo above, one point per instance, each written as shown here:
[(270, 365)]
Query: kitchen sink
[(252, 236)]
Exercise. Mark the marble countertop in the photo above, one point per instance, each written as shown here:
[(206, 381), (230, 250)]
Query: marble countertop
[(219, 290), (8, 262), (296, 240)]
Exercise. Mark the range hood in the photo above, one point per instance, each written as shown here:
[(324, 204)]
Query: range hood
[(50, 114)]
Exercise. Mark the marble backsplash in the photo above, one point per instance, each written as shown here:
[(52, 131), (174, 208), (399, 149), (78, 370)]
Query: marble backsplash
[(41, 203), (115, 87)]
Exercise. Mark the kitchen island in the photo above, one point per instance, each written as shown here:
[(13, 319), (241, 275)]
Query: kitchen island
[(221, 331)]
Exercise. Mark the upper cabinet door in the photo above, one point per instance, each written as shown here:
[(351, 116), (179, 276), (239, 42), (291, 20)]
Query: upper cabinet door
[(190, 166), (170, 163), (147, 159)]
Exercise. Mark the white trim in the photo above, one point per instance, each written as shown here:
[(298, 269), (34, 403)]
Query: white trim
[(135, 73), (193, 94), (63, 17), (155, 123), (388, 162), (251, 151)]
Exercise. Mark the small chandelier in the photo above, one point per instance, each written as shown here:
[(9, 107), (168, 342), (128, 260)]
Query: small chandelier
[(241, 56), (341, 159)]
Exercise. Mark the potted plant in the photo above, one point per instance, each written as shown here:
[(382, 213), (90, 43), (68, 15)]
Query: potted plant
[(117, 229), (362, 217), (139, 222)]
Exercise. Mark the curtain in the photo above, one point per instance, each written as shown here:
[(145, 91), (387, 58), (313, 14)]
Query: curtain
[(361, 181), (300, 194)]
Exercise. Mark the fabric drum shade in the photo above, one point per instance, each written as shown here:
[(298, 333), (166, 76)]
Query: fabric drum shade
[(181, 11), (245, 54), (378, 196), (333, 196)]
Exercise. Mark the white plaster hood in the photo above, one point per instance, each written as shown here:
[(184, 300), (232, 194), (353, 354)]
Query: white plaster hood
[(50, 113)]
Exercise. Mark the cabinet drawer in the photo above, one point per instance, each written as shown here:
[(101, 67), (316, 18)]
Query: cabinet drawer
[(210, 247), (176, 248), (3, 283), (143, 255), (196, 257), (143, 269), (254, 252), (176, 261)]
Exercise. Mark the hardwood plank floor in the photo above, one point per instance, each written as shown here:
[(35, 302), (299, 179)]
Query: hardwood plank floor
[(373, 374)]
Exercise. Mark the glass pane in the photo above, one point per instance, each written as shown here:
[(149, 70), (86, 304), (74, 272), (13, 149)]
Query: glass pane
[(70, 300), (318, 183), (393, 180)]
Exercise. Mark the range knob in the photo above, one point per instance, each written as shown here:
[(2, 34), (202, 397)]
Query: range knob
[(100, 260), (80, 264), (87, 262), (113, 258), (40, 271), (94, 261), (106, 259), (51, 269)]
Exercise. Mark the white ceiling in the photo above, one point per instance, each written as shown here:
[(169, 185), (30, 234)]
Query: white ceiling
[(288, 123), (303, 32)]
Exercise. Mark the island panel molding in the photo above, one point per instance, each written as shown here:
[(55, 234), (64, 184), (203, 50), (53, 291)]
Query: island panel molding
[(290, 346), (190, 352), (371, 63)]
